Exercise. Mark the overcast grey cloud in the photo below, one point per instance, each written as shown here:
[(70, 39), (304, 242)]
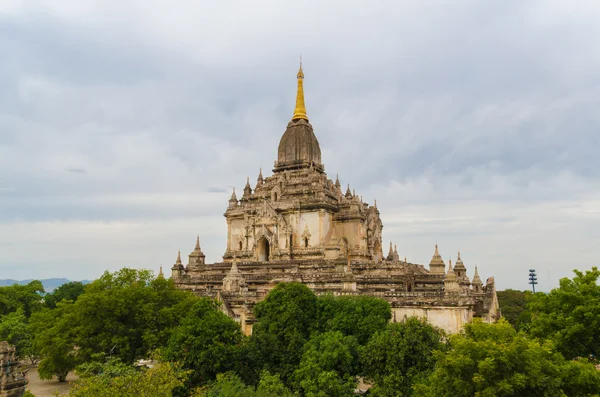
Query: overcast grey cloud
[(124, 125)]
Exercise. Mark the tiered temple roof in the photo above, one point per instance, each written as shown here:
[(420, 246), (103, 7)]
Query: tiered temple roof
[(298, 225)]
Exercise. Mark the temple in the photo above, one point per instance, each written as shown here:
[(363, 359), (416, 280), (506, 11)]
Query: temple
[(299, 225), (12, 381)]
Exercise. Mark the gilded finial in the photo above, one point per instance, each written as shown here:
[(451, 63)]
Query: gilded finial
[(300, 110)]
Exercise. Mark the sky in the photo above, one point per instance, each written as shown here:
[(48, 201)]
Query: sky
[(125, 125)]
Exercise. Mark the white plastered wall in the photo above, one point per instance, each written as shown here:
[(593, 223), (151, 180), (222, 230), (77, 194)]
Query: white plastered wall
[(450, 319)]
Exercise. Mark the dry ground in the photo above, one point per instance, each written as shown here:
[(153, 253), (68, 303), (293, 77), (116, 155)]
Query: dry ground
[(46, 388)]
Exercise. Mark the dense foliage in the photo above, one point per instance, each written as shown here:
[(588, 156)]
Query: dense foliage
[(126, 315), (114, 378), (513, 304), (329, 365), (570, 315), (495, 360), (17, 303), (359, 316), (285, 321), (69, 291), (230, 385), (207, 342), (302, 345), (399, 356), (28, 298)]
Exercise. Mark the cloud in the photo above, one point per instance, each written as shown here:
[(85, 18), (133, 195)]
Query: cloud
[(124, 126), (75, 170)]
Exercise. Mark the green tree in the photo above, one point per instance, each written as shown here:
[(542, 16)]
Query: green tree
[(513, 304), (286, 318), (231, 385), (271, 386), (570, 315), (69, 291), (14, 329), (226, 385), (494, 360), (360, 316), (54, 341), (114, 378), (399, 356), (329, 366), (127, 314), (27, 297), (207, 342)]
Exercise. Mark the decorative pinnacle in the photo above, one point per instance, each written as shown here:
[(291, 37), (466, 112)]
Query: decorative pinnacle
[(259, 180), (178, 261), (197, 243), (247, 188), (234, 268), (476, 278), (348, 192), (300, 110)]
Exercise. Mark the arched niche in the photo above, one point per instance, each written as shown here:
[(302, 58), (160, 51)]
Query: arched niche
[(263, 249)]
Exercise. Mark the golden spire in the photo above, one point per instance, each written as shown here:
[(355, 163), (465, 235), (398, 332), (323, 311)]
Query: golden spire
[(300, 110)]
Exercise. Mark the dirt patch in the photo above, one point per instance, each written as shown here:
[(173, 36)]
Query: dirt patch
[(47, 388)]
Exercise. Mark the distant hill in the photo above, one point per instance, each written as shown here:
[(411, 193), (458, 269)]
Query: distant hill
[(50, 284)]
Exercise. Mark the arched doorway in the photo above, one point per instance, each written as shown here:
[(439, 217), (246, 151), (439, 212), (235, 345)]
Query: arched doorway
[(263, 249)]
